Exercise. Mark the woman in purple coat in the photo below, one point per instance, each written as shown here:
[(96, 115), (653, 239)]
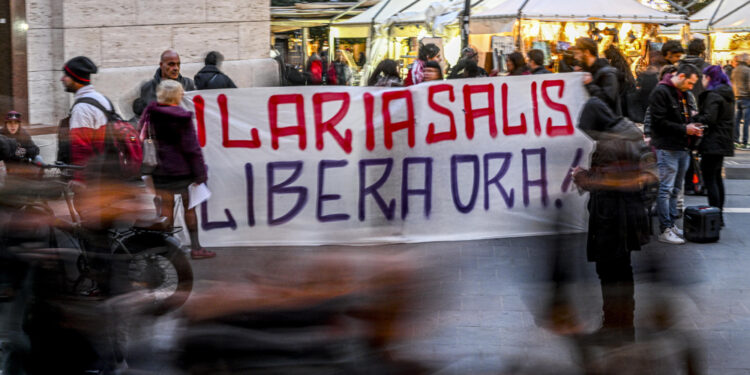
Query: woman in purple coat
[(179, 156)]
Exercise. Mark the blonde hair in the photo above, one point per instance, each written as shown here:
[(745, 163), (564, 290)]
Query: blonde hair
[(169, 92)]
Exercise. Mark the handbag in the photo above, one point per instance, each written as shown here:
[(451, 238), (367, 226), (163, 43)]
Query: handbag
[(150, 159)]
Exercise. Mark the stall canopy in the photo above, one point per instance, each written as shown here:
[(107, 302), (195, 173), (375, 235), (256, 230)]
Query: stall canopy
[(502, 17), (731, 16)]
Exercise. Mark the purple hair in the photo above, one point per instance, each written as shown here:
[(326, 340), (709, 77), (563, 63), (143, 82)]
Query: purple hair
[(717, 76)]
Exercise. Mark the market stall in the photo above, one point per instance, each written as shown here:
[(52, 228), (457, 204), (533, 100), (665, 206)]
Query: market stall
[(728, 24), (553, 26)]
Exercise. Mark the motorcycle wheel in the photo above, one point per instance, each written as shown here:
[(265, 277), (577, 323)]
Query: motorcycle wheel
[(166, 275)]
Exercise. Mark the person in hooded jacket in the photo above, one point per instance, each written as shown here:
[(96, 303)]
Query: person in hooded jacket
[(601, 81), (717, 114), (695, 51), (169, 68), (180, 161), (210, 77)]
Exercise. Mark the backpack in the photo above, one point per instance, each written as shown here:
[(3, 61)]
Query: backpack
[(121, 142)]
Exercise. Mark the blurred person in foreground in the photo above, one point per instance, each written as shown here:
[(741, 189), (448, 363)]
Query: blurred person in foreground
[(343, 313), (741, 83), (717, 114), (179, 155), (428, 52), (385, 75), (671, 124), (210, 77), (432, 72), (617, 223)]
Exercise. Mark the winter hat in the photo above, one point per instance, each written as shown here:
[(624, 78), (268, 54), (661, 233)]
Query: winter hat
[(13, 115), (80, 69)]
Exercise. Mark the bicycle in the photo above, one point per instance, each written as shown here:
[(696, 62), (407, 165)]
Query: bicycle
[(155, 261)]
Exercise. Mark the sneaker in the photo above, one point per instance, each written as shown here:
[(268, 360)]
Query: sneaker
[(679, 232), (668, 236)]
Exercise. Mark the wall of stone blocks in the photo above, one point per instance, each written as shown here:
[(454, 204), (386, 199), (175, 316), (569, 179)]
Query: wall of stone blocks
[(124, 34)]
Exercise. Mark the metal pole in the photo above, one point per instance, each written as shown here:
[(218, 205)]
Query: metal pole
[(465, 24), (305, 36)]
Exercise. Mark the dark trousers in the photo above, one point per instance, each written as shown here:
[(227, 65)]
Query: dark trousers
[(618, 294), (711, 168)]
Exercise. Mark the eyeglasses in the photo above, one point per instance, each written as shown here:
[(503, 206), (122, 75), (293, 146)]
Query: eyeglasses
[(14, 116)]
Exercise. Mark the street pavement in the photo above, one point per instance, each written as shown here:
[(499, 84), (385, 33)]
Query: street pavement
[(488, 315), (486, 312)]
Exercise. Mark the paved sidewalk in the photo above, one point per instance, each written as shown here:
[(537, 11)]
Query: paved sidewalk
[(488, 317)]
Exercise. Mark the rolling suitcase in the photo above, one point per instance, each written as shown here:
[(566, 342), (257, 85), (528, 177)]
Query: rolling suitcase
[(702, 223)]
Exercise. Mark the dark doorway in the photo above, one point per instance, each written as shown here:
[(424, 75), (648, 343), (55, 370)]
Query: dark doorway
[(13, 71)]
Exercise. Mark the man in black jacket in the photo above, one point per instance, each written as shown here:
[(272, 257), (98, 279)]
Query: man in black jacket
[(210, 77), (169, 68), (670, 127), (601, 81), (536, 62)]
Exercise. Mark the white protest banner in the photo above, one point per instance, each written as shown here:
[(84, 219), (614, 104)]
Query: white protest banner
[(450, 160)]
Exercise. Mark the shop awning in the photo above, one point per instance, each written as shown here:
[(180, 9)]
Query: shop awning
[(720, 15), (379, 13), (500, 17)]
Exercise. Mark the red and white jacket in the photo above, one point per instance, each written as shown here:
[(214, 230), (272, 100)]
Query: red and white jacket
[(87, 127)]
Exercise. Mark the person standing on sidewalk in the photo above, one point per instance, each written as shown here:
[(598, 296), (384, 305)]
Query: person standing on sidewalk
[(601, 81), (672, 51), (169, 68), (210, 77), (670, 126), (180, 158), (536, 62), (741, 83), (717, 113)]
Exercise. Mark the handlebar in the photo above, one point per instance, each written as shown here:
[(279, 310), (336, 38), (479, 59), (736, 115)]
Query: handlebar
[(57, 165)]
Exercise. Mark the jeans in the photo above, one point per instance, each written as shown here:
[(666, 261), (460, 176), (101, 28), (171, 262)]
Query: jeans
[(672, 166), (743, 113)]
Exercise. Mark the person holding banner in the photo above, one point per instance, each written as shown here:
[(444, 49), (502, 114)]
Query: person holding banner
[(180, 161)]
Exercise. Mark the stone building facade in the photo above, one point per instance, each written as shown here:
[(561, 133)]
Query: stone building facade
[(126, 37)]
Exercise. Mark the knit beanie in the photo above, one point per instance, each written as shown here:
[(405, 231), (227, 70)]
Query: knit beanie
[(80, 69)]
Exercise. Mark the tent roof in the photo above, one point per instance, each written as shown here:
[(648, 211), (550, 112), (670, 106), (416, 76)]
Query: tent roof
[(732, 16), (383, 10), (580, 11), (414, 11)]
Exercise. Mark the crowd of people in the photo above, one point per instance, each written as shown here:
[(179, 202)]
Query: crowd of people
[(685, 106)]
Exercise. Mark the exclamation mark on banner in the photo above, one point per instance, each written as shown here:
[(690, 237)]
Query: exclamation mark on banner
[(568, 177)]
